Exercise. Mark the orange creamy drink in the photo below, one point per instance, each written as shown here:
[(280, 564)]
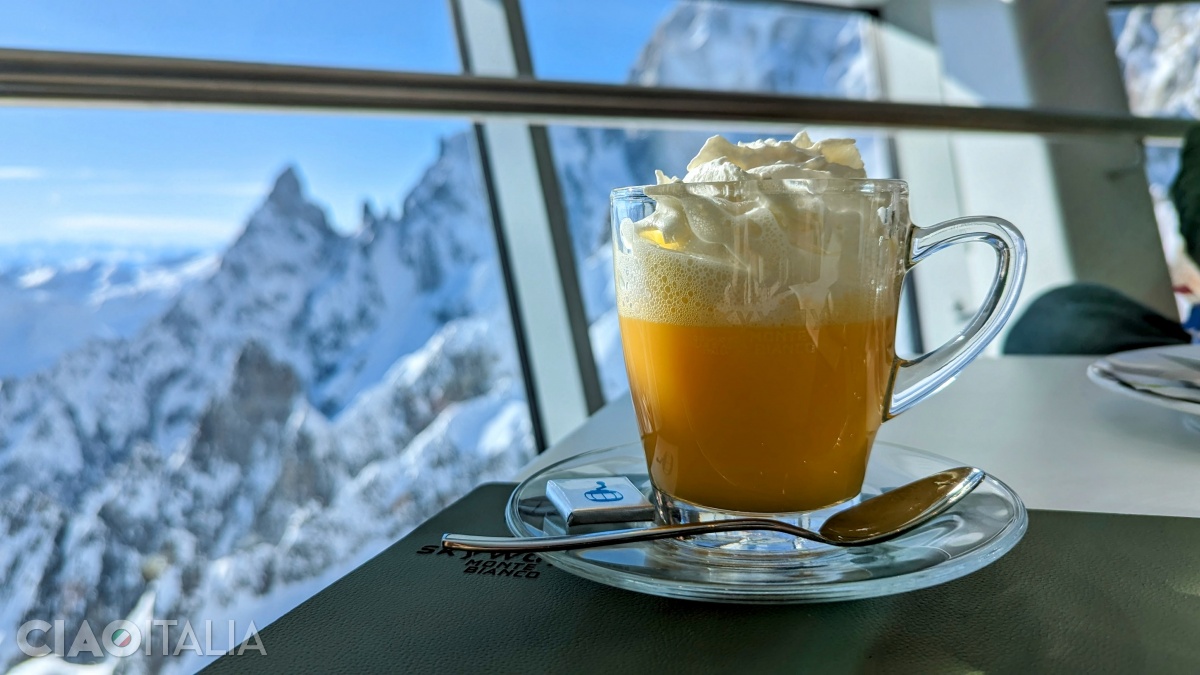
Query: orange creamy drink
[(758, 319), (757, 418)]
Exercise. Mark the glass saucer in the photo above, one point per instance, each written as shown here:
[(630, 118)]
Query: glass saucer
[(979, 530)]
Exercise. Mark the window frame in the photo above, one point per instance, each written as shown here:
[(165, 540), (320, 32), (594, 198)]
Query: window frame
[(71, 78)]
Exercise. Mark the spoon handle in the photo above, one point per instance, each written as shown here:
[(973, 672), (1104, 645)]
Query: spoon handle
[(571, 542)]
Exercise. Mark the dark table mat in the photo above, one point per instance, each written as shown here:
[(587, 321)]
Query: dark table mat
[(1081, 593)]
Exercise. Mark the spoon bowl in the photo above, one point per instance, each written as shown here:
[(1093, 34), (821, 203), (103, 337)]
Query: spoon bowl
[(873, 521)]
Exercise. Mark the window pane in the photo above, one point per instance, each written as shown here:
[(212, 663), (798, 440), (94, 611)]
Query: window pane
[(400, 35), (732, 45), (227, 380), (1159, 47)]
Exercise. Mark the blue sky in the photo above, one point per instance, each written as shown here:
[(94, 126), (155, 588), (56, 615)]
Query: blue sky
[(162, 176)]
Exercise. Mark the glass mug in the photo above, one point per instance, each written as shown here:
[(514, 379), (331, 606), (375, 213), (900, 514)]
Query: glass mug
[(761, 352)]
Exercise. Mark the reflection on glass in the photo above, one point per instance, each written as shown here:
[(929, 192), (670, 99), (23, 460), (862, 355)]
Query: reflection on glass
[(397, 35), (211, 420)]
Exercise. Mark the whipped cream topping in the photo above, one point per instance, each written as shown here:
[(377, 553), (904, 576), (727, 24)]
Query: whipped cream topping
[(732, 243), (722, 161)]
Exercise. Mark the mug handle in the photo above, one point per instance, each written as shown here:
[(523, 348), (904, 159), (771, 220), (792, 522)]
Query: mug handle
[(914, 380)]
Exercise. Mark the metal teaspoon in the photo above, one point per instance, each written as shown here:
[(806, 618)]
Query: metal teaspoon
[(873, 521)]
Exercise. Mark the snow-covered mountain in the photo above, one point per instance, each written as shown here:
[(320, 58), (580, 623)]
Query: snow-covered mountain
[(1159, 49), (294, 404), (310, 399), (764, 48)]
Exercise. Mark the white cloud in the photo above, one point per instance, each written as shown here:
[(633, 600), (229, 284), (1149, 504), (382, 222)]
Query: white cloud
[(158, 229), (21, 173), (178, 187)]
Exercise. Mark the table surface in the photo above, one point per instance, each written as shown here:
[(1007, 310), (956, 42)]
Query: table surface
[(1035, 422)]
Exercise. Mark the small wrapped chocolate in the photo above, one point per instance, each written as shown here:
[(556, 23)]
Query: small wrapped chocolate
[(612, 499)]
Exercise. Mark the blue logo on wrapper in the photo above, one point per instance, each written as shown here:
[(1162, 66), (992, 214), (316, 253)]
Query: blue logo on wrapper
[(598, 499), (602, 494)]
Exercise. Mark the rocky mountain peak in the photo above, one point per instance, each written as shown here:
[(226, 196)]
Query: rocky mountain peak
[(287, 188), (288, 211)]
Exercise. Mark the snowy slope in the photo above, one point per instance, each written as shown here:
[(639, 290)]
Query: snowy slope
[(49, 310)]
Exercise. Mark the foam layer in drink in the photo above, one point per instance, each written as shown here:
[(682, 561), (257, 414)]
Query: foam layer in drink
[(738, 254), (757, 248)]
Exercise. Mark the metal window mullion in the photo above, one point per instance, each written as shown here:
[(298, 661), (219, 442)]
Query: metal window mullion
[(521, 340), (556, 211), (521, 337), (541, 271), (556, 214)]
